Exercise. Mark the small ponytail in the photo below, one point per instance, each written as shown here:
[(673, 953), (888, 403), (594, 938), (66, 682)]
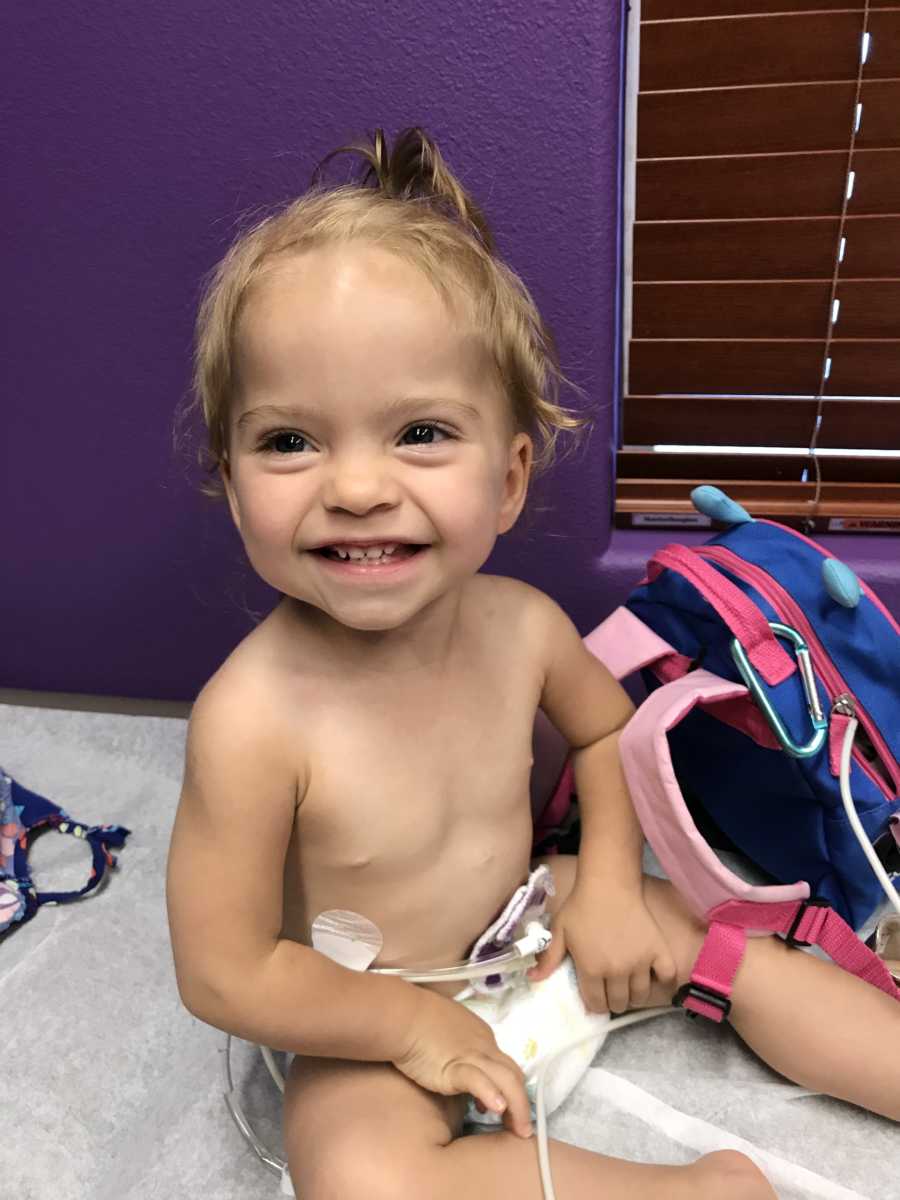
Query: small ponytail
[(415, 170)]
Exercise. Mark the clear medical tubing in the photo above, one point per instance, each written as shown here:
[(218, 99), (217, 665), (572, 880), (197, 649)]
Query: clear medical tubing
[(521, 955)]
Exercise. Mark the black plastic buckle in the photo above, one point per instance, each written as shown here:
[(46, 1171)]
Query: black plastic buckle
[(888, 850), (707, 995), (812, 902)]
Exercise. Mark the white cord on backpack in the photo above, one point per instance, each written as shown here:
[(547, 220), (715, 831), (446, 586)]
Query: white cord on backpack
[(855, 824)]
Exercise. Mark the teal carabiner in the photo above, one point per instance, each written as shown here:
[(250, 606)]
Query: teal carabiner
[(749, 676)]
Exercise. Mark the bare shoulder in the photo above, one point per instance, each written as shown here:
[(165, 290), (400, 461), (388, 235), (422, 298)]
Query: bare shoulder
[(521, 610), (517, 621), (240, 713), (503, 598), (546, 639)]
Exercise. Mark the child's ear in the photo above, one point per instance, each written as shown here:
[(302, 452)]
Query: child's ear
[(230, 493), (515, 486)]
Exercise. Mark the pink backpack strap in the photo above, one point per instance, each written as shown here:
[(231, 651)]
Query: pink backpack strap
[(686, 857), (624, 644), (807, 922), (737, 610)]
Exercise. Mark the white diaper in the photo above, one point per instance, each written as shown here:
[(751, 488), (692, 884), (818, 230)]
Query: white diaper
[(531, 1021)]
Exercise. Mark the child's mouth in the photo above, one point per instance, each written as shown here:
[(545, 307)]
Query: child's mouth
[(384, 564), (400, 552)]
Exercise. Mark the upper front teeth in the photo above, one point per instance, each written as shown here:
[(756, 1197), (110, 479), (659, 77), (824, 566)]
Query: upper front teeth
[(368, 552)]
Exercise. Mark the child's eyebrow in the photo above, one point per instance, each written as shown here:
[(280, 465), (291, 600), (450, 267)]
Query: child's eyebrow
[(392, 409)]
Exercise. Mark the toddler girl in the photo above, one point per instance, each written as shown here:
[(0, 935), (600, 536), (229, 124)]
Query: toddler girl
[(378, 389)]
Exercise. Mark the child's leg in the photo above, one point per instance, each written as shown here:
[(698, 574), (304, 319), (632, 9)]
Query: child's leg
[(363, 1131), (817, 1024), (808, 1019)]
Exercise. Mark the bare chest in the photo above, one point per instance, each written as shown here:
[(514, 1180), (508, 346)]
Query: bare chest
[(413, 797), (395, 780)]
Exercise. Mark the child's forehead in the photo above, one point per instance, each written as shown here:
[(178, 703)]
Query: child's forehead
[(344, 277), (354, 303)]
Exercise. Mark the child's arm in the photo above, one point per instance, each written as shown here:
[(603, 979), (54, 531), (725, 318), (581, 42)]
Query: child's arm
[(234, 971), (609, 931)]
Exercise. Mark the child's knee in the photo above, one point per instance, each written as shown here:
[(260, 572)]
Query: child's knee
[(734, 1175), (362, 1130), (355, 1165)]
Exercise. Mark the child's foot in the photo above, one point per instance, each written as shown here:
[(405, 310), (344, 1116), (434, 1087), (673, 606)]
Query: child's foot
[(728, 1173)]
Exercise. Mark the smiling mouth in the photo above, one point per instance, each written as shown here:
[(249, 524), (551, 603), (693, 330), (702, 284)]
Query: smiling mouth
[(396, 555)]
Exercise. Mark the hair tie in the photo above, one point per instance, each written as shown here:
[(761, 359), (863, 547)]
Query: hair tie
[(382, 162)]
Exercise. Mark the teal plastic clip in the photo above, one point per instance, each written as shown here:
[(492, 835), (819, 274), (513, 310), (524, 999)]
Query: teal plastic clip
[(816, 716)]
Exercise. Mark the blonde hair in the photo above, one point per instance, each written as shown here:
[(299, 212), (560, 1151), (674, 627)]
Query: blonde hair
[(418, 210)]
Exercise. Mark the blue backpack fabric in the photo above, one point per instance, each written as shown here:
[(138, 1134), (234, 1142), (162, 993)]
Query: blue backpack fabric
[(785, 813)]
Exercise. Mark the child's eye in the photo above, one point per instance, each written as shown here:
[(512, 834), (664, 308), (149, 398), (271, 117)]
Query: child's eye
[(286, 442), (283, 442), (424, 433)]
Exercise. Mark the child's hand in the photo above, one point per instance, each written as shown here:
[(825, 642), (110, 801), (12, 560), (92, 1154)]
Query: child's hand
[(615, 943), (452, 1051)]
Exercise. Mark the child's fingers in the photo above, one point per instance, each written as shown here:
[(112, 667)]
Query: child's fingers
[(549, 960), (617, 993), (500, 1089), (664, 968), (640, 989), (511, 1079), (593, 992)]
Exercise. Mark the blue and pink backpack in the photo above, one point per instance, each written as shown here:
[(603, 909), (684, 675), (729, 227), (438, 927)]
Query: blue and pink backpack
[(772, 727)]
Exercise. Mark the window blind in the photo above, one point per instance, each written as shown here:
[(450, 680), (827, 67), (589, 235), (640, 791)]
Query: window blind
[(762, 314)]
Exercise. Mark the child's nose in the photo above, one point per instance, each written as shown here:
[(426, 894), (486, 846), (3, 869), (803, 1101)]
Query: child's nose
[(359, 483)]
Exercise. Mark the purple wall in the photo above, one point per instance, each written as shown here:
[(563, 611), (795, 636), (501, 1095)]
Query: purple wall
[(136, 137)]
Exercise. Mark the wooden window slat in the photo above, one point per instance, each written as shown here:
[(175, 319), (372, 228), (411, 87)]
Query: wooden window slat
[(860, 423), (757, 120), (660, 10), (866, 507), (771, 467), (863, 368), (781, 309), (801, 248), (885, 57), (767, 487), (783, 185), (776, 48), (715, 367)]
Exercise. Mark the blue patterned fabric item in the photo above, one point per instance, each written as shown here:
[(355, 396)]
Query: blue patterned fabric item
[(22, 811)]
